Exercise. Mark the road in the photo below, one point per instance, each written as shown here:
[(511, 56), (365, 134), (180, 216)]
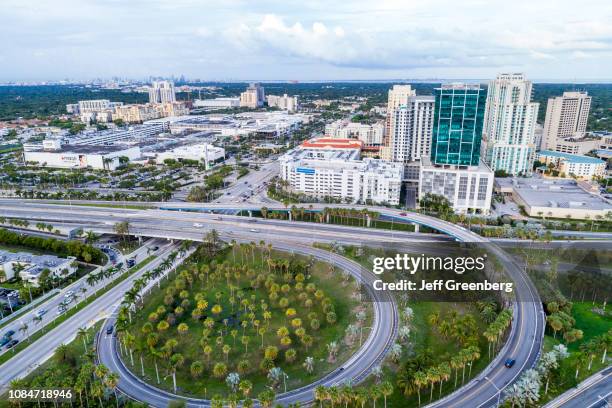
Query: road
[(50, 308), (594, 392), (39, 351), (382, 336), (250, 187), (524, 341)]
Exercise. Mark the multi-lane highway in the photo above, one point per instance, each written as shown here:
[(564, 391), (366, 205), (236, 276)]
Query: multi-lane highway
[(39, 351), (594, 392), (523, 343)]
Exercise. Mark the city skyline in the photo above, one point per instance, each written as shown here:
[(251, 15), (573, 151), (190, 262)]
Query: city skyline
[(237, 41)]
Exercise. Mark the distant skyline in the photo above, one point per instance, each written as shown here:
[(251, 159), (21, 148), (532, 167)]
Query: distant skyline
[(237, 40)]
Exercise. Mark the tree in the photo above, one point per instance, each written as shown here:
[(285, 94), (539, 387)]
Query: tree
[(176, 361), (386, 389), (266, 398), (197, 368), (233, 381)]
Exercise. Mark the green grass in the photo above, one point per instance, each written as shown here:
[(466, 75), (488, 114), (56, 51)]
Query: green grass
[(71, 312), (592, 325), (207, 386)]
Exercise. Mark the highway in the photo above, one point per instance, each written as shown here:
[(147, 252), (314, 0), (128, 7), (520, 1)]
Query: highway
[(39, 351), (70, 296), (594, 392), (524, 341)]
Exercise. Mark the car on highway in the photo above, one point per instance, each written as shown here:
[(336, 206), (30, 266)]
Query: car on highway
[(40, 313), (109, 330), (69, 294), (254, 230), (197, 225), (509, 362), (9, 333), (403, 214), (11, 344)]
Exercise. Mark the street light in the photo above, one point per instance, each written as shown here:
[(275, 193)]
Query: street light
[(498, 390)]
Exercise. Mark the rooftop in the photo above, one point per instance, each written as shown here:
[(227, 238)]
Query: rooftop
[(331, 143), (574, 158)]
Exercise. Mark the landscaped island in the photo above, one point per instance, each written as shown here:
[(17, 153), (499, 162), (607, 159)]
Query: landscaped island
[(242, 320)]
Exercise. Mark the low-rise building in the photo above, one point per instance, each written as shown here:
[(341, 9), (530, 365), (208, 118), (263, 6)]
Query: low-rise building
[(555, 198), (217, 103), (370, 135), (573, 166), (82, 156), (29, 267), (203, 152), (342, 174), (467, 188)]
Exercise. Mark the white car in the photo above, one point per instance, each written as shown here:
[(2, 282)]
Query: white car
[(197, 225)]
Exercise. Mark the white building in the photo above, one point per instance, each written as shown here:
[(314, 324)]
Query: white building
[(468, 189), (568, 165), (341, 174), (217, 103), (253, 97), (398, 95), (30, 267), (203, 152), (370, 135), (412, 126), (288, 103), (106, 137), (82, 156), (509, 125), (162, 92), (566, 116)]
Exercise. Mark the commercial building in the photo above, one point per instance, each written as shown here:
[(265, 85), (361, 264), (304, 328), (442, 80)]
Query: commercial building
[(217, 103), (454, 169), (162, 92), (578, 146), (327, 143), (82, 156), (340, 173), (370, 135), (30, 267), (573, 166), (202, 152), (558, 198), (110, 136), (288, 103), (94, 110), (566, 116), (509, 125), (253, 97), (138, 113)]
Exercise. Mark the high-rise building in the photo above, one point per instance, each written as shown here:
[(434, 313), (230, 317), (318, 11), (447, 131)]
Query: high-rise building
[(398, 95), (458, 120), (412, 126), (253, 97), (566, 116), (455, 170), (509, 125), (162, 92)]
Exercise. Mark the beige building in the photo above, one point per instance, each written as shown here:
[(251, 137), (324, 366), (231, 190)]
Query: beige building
[(137, 113), (253, 97), (572, 165), (370, 135), (566, 116), (288, 103)]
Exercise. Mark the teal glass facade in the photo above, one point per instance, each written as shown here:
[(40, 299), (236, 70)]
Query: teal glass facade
[(458, 121)]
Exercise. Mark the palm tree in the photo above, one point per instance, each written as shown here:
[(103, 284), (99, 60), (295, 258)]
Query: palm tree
[(386, 389), (320, 394), (176, 361), (82, 333), (111, 381), (24, 329), (420, 380)]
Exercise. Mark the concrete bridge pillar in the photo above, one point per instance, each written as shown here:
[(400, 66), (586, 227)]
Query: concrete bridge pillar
[(139, 240), (368, 220), (250, 213), (290, 217), (416, 227)]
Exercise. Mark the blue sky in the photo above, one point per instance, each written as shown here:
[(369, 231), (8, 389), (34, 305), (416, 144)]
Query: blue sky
[(310, 40)]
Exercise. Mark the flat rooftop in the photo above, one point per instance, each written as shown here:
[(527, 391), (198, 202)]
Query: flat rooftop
[(557, 193), (574, 158), (87, 149)]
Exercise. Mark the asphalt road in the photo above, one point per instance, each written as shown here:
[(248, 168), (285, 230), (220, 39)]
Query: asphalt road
[(523, 343), (40, 350), (594, 392)]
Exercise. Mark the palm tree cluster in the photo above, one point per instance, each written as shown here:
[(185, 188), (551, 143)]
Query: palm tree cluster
[(350, 396), (351, 216), (559, 318), (92, 383), (496, 329), (248, 312), (71, 194)]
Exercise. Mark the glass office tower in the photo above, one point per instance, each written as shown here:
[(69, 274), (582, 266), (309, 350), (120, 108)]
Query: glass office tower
[(458, 119)]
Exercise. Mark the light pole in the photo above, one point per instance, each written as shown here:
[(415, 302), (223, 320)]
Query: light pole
[(498, 390)]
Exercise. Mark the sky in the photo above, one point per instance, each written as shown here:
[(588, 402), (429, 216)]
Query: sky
[(305, 40)]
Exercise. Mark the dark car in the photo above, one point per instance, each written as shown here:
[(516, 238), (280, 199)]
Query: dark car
[(9, 333), (509, 362), (109, 330), (11, 344), (4, 341)]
